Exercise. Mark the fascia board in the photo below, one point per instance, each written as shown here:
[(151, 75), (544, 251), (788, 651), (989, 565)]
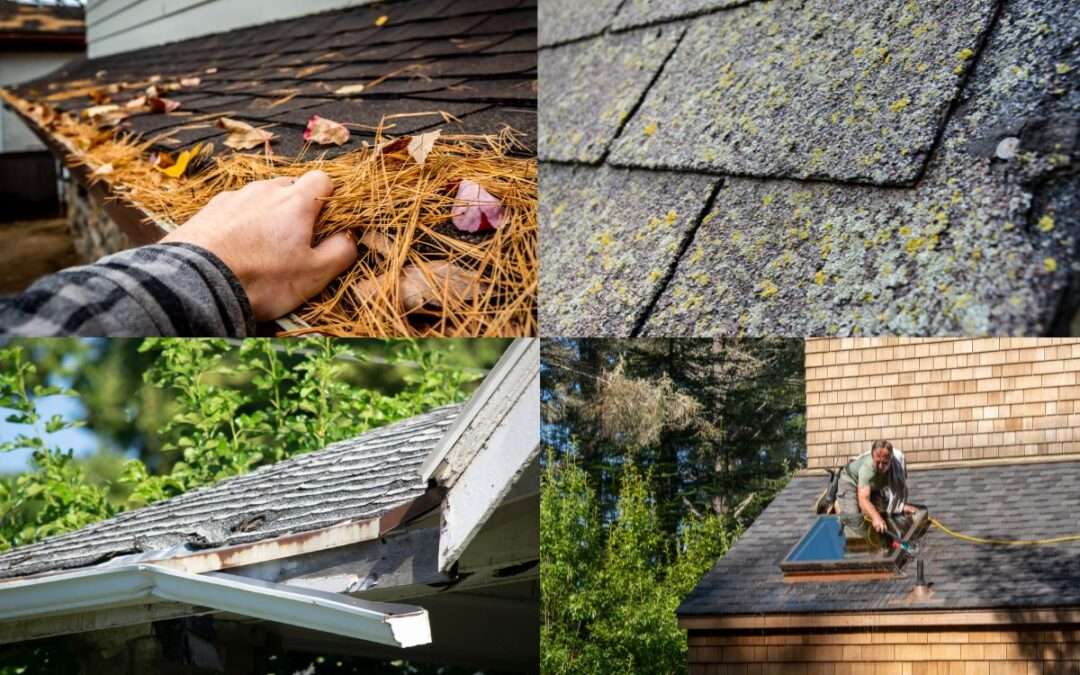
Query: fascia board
[(384, 623), (488, 404), (504, 457)]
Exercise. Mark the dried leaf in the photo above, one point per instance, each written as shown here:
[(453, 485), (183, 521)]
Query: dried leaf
[(103, 170), (436, 282), (162, 105), (100, 110), (311, 70), (243, 136), (420, 146), (190, 81), (390, 147), (210, 71), (136, 103), (108, 114), (378, 242), (476, 209), (177, 168), (100, 96), (152, 91), (381, 21), (323, 131), (349, 89)]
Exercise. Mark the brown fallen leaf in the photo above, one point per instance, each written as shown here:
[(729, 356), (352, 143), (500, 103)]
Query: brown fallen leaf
[(103, 170), (323, 131), (378, 242), (428, 285), (210, 71), (420, 146), (243, 136), (99, 110), (152, 91), (162, 105), (190, 81), (432, 283), (136, 103), (108, 114), (350, 89)]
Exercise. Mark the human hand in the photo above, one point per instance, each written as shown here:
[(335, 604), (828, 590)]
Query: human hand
[(908, 508), (879, 523), (263, 233)]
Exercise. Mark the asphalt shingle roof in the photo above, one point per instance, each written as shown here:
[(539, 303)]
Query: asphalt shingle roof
[(354, 479), (284, 72), (879, 166), (1031, 501)]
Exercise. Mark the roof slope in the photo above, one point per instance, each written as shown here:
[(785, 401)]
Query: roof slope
[(1032, 501), (852, 166), (358, 478), (472, 59)]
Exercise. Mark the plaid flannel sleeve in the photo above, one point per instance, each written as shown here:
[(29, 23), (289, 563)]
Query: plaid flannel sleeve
[(164, 289)]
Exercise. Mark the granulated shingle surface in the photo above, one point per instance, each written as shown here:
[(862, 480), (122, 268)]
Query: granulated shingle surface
[(885, 167)]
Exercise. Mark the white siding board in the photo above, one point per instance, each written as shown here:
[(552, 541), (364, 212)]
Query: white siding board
[(17, 67)]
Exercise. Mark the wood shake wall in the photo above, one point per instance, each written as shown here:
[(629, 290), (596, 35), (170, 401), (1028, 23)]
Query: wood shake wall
[(992, 652), (942, 400)]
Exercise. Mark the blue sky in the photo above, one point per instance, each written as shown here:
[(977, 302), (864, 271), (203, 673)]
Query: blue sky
[(84, 442)]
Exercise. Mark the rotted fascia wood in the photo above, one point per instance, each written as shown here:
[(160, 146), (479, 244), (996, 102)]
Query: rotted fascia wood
[(138, 225)]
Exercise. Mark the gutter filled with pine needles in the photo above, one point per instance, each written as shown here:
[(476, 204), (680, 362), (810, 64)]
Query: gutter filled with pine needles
[(416, 275)]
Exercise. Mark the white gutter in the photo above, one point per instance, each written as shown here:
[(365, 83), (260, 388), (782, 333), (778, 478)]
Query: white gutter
[(102, 589)]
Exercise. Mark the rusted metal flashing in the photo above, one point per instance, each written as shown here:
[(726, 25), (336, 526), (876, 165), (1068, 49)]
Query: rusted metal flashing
[(290, 545)]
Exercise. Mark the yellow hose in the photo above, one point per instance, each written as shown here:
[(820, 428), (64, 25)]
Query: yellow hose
[(1003, 542)]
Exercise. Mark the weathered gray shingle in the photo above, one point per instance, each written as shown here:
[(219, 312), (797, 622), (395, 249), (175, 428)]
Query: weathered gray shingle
[(604, 259), (1033, 501), (956, 213), (590, 89), (358, 478)]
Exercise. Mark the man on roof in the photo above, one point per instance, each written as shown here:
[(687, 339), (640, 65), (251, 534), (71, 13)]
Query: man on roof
[(247, 256), (873, 483)]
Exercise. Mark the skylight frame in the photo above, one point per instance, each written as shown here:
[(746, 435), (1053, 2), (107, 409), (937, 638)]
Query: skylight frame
[(885, 567)]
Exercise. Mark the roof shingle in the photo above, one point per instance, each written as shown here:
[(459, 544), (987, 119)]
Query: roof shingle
[(1033, 501), (354, 479)]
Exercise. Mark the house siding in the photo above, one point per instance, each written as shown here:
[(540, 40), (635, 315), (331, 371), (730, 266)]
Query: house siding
[(943, 400), (932, 652), (122, 25)]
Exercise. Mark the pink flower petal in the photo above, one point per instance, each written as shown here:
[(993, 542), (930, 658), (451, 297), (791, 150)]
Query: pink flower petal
[(476, 209)]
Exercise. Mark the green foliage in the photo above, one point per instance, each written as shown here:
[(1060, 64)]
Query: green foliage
[(610, 588), (55, 497)]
